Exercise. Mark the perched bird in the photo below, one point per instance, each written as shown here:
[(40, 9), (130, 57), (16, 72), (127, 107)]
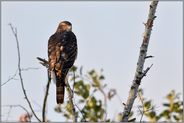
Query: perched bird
[(62, 52)]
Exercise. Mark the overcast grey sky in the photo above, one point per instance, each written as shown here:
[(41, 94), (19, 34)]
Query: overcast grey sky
[(109, 36)]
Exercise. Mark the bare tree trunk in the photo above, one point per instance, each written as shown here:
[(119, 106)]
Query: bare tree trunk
[(139, 74)]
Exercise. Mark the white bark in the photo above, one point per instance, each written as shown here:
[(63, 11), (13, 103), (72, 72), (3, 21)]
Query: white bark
[(139, 74)]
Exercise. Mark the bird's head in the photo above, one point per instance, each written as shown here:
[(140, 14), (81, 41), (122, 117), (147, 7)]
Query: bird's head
[(64, 26)]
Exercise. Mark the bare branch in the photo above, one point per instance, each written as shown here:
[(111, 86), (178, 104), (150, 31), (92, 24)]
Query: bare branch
[(140, 64), (83, 117), (14, 31), (11, 78), (45, 63), (45, 100), (149, 57), (144, 73), (29, 68), (22, 107), (105, 102), (73, 80), (8, 114), (70, 92), (142, 102)]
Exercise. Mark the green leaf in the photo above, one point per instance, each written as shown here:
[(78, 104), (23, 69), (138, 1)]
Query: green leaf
[(67, 116), (96, 82), (91, 72), (171, 95), (81, 101), (74, 68), (141, 91), (166, 104), (166, 114), (111, 93), (176, 105), (132, 120), (152, 114), (147, 105), (58, 109), (101, 77), (179, 111), (131, 114), (82, 89), (108, 120), (176, 118)]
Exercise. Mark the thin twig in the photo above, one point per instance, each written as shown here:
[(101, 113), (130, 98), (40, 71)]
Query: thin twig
[(83, 117), (70, 92), (45, 63), (38, 105), (149, 57), (9, 113), (14, 30), (142, 113), (45, 100), (29, 68), (105, 102), (22, 107), (73, 80), (142, 102), (13, 77), (144, 73)]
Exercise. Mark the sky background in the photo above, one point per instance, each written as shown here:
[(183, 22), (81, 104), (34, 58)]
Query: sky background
[(109, 36)]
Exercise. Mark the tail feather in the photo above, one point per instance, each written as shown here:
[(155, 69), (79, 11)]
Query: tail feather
[(60, 86), (60, 91)]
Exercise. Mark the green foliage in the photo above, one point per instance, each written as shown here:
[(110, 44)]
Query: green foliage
[(85, 87), (82, 89), (173, 109), (93, 110), (91, 96)]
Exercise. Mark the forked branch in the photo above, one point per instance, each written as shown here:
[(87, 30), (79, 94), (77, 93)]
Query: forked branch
[(14, 31)]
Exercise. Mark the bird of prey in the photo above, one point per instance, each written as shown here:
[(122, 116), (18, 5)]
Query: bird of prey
[(62, 52)]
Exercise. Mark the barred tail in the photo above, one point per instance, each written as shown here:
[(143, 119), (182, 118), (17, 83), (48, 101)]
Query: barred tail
[(60, 87), (60, 91)]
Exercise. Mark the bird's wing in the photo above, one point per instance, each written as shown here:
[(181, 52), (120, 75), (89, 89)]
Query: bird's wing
[(54, 53), (62, 52), (69, 50)]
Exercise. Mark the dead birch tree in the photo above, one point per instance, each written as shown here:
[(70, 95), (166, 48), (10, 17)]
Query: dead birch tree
[(140, 73)]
